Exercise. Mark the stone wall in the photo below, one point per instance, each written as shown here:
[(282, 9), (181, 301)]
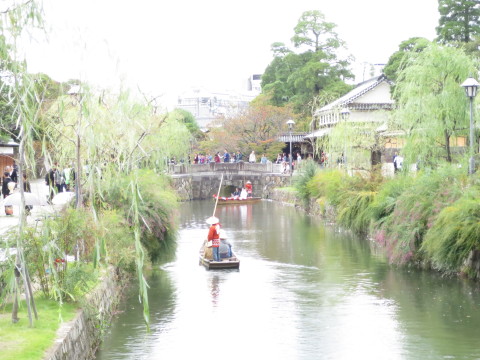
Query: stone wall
[(314, 207), (204, 186), (78, 339)]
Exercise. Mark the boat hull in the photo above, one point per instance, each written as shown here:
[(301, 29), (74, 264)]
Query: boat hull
[(206, 260), (230, 201)]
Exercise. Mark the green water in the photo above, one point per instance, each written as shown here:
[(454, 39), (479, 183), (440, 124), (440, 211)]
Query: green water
[(303, 291)]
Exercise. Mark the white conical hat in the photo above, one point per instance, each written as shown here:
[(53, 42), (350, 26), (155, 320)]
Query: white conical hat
[(212, 220)]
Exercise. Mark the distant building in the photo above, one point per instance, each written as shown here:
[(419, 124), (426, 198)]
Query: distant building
[(254, 83), (8, 153), (207, 106), (368, 102)]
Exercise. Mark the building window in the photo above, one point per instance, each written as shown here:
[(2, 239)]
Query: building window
[(394, 143), (460, 141)]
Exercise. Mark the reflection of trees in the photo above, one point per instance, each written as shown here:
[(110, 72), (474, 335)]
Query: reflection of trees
[(436, 309), (125, 337)]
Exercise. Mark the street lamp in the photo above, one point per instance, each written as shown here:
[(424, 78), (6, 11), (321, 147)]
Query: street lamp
[(470, 85), (345, 112), (290, 124)]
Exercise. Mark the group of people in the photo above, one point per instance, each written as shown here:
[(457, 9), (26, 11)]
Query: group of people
[(284, 160), (59, 180), (245, 192), (226, 157), (221, 247), (10, 183)]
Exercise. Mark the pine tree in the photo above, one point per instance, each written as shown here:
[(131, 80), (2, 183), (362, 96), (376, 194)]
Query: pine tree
[(459, 20)]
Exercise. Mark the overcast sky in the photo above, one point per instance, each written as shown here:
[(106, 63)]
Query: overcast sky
[(167, 47)]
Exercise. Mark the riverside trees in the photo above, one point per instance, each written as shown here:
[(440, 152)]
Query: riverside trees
[(459, 21), (297, 78), (431, 104), (114, 136)]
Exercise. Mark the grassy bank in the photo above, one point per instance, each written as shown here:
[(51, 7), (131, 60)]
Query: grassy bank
[(108, 232), (21, 342), (429, 219)]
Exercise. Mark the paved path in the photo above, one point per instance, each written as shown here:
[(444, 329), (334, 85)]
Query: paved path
[(8, 222)]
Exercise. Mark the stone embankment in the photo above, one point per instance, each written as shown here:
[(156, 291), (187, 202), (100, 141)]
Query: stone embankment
[(312, 208), (78, 339)]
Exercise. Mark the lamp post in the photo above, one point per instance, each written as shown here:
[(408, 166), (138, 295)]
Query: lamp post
[(345, 112), (470, 85), (290, 124)]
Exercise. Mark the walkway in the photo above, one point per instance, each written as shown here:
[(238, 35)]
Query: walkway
[(38, 212)]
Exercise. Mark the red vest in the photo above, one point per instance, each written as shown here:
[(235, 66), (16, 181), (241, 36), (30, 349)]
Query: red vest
[(214, 235)]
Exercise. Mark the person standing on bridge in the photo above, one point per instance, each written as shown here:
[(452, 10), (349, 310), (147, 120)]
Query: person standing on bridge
[(264, 159), (252, 158), (226, 157)]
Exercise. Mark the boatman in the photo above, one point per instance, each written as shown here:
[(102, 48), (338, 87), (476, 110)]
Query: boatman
[(214, 236), (249, 188)]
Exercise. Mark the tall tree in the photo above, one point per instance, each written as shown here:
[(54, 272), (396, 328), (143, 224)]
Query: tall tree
[(317, 34), (296, 78), (431, 105), (399, 59), (459, 20)]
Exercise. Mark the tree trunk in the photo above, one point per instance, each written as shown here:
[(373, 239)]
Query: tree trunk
[(447, 146), (15, 317)]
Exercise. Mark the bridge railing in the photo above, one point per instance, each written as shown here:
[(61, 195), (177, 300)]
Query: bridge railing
[(226, 168)]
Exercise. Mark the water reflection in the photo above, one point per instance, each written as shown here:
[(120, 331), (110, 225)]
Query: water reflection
[(303, 291)]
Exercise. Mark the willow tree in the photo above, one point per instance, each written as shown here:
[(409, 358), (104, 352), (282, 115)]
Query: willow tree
[(431, 105), (111, 136), (16, 19)]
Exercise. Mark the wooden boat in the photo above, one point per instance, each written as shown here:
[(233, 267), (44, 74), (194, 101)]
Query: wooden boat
[(236, 201), (206, 259)]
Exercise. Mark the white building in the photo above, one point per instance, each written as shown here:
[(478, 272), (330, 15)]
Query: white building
[(207, 106)]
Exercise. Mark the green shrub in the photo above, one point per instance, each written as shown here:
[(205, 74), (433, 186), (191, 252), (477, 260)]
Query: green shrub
[(355, 214), (119, 240), (157, 207), (415, 210), (455, 233), (74, 232), (387, 196), (308, 171), (79, 279), (327, 184)]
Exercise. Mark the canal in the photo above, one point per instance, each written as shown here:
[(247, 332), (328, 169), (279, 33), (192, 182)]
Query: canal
[(304, 290)]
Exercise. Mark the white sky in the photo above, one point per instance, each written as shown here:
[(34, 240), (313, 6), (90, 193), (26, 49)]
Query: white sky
[(169, 46)]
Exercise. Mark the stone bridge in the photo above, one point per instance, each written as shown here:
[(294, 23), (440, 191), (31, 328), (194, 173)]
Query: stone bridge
[(226, 168), (201, 181)]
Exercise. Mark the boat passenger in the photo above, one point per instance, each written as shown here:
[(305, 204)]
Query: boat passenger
[(225, 248), (236, 193), (243, 194), (214, 236)]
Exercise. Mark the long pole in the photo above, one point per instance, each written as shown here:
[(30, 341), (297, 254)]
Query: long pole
[(291, 156), (218, 195), (471, 168)]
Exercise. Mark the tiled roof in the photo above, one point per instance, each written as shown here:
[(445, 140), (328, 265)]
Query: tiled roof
[(296, 137), (355, 93), (371, 106)]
